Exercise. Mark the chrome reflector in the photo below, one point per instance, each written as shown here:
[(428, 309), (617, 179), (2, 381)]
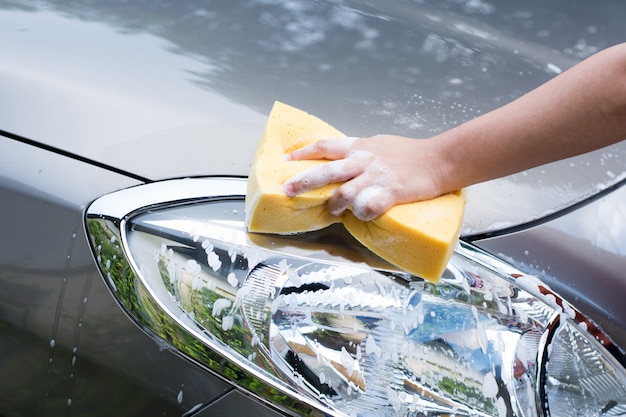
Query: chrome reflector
[(316, 324)]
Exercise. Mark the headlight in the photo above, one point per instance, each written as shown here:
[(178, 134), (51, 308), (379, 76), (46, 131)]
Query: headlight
[(315, 324)]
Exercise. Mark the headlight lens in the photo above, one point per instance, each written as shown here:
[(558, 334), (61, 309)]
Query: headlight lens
[(580, 376), (320, 322)]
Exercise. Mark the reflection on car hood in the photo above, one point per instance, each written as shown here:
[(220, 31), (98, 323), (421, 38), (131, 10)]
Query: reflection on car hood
[(182, 89)]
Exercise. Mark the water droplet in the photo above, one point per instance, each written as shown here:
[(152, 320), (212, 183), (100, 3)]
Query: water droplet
[(214, 261), (219, 305), (372, 348), (232, 279), (490, 386), (294, 277), (192, 267), (227, 323)]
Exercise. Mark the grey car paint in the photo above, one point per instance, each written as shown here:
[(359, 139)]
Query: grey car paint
[(67, 348), (132, 76), (96, 97)]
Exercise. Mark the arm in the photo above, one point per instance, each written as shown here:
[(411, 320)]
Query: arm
[(581, 110), (578, 111)]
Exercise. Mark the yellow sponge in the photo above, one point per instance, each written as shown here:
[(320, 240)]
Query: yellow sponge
[(417, 237)]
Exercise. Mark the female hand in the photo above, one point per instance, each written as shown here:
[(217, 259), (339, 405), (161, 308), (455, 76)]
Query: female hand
[(378, 172)]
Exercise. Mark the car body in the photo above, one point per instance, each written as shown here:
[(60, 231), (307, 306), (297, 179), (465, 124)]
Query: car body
[(113, 112)]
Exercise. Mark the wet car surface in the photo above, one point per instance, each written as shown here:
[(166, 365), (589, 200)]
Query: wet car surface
[(98, 98)]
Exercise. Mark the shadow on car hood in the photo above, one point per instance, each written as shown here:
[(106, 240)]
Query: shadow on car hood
[(175, 89)]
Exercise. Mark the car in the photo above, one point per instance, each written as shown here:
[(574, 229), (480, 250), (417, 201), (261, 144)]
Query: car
[(129, 284)]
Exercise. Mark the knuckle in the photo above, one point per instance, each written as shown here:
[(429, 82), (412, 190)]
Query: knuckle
[(370, 203), (345, 193), (369, 210), (323, 146)]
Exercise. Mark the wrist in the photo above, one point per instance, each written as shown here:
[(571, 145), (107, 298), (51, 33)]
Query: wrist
[(446, 160)]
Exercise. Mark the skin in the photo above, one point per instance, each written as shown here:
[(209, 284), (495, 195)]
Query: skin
[(581, 110)]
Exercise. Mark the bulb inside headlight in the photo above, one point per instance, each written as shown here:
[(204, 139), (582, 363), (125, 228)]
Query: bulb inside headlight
[(311, 318)]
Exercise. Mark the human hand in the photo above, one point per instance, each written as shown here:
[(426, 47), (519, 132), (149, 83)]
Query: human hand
[(377, 173)]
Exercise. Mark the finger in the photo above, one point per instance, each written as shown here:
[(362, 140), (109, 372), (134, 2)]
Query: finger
[(367, 200), (342, 198), (323, 149), (371, 202), (369, 194), (320, 175)]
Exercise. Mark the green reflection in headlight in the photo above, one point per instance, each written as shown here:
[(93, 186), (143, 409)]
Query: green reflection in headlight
[(135, 298)]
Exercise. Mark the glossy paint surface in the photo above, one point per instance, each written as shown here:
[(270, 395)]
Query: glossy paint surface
[(67, 348), (166, 90)]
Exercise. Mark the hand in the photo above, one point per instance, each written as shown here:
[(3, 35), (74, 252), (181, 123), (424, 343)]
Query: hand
[(378, 173)]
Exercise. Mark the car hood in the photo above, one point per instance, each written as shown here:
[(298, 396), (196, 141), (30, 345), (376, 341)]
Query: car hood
[(174, 89)]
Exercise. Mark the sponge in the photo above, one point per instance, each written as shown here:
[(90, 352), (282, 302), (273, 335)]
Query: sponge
[(417, 237)]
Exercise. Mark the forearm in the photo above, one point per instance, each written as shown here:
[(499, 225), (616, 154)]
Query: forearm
[(580, 110)]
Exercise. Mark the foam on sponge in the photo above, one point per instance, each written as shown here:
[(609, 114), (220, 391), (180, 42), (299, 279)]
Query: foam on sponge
[(417, 237)]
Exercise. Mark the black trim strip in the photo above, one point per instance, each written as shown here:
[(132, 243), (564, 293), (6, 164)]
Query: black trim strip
[(466, 238), (547, 218), (72, 155)]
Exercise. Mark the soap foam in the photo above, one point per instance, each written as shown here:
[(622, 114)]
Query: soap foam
[(315, 177), (363, 199), (383, 181)]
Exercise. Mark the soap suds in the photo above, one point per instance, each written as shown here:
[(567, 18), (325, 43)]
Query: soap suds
[(372, 348), (490, 386), (381, 180), (360, 208), (315, 177)]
